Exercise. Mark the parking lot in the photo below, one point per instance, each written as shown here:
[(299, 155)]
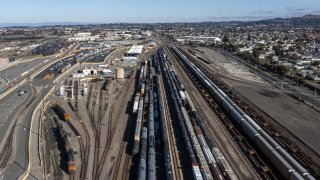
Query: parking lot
[(50, 48), (46, 77)]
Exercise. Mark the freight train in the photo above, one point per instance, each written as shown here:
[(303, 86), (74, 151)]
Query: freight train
[(70, 157), (215, 166), (143, 157), (138, 127), (146, 137), (62, 113), (164, 129), (279, 157), (187, 140), (224, 166), (136, 102), (208, 155), (69, 151), (151, 148), (203, 163)]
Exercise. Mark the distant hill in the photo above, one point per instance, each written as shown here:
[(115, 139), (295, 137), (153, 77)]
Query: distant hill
[(310, 20), (307, 20)]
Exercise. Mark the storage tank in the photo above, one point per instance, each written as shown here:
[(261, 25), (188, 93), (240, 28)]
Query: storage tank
[(120, 73)]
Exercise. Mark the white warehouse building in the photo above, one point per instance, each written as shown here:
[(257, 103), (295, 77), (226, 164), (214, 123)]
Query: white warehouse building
[(134, 53), (84, 36), (90, 71)]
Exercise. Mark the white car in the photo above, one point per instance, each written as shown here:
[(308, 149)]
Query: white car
[(21, 92)]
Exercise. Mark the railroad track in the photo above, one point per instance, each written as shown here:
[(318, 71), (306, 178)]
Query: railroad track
[(84, 147), (126, 157), (174, 153), (85, 150), (109, 122), (257, 162), (91, 114), (303, 157), (97, 94), (71, 177), (298, 153), (55, 160), (112, 124), (96, 125)]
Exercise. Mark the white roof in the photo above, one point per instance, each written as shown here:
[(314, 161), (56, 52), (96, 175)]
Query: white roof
[(107, 70), (137, 49)]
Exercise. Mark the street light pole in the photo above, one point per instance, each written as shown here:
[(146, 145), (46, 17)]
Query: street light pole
[(42, 103)]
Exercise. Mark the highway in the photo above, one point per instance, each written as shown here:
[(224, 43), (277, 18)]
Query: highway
[(10, 108), (15, 71), (28, 67), (44, 78), (9, 103), (20, 161)]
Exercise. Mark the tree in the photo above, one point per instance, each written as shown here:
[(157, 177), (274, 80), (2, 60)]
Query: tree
[(282, 70), (277, 50), (225, 39), (315, 63), (249, 37), (255, 53)]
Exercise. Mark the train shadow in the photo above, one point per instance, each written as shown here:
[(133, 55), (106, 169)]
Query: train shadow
[(129, 131), (57, 112), (61, 148)]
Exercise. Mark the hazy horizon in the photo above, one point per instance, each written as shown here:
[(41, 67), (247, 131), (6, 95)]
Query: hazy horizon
[(143, 11)]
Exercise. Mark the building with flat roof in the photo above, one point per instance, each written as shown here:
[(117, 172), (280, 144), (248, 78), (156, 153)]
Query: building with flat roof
[(84, 36), (201, 39), (4, 61), (135, 51)]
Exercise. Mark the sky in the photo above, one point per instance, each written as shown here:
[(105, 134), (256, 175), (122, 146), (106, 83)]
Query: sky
[(149, 11)]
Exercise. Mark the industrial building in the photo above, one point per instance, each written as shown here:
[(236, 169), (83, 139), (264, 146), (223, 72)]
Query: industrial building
[(85, 36), (134, 53), (90, 71), (4, 61), (198, 39)]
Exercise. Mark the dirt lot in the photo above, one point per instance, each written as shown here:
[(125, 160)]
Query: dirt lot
[(301, 120)]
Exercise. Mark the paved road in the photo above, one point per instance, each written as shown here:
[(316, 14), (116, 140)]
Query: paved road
[(9, 107), (15, 71), (21, 160), (40, 79), (20, 163)]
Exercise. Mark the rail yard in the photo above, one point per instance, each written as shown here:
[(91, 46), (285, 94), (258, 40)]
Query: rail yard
[(147, 112)]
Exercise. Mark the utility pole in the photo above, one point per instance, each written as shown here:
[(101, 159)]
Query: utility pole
[(42, 102), (290, 86), (7, 77)]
